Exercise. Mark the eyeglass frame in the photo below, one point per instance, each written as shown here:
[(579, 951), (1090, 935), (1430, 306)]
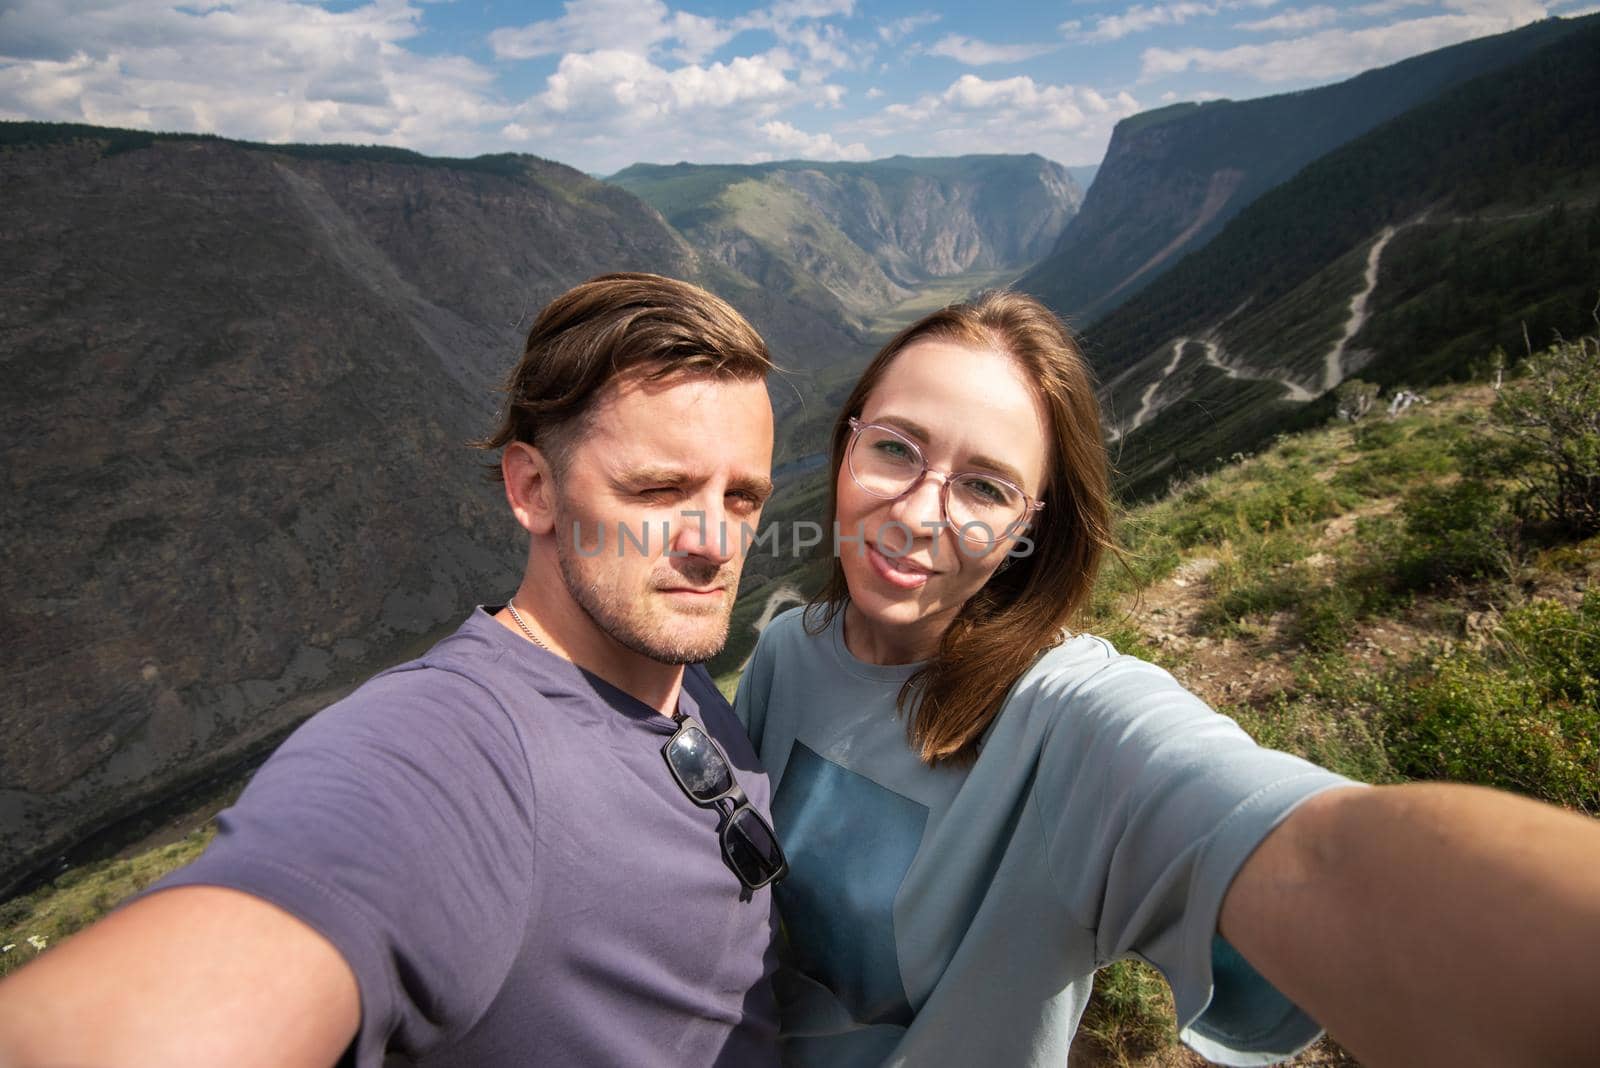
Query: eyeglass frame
[(945, 477), (734, 793)]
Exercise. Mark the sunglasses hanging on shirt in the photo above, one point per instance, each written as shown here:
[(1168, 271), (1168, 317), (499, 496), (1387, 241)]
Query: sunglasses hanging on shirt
[(703, 772)]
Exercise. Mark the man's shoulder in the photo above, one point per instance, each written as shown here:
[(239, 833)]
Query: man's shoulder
[(461, 687)]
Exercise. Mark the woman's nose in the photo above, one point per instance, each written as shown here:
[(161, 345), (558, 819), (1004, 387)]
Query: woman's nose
[(922, 506)]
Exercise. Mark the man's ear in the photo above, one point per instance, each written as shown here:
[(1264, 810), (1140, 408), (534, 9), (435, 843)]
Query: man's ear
[(530, 487)]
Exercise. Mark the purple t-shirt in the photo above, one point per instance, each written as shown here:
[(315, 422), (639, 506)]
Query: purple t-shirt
[(491, 838)]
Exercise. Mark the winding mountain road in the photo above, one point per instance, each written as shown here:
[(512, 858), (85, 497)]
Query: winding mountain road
[(1333, 368), (1147, 398), (1297, 393)]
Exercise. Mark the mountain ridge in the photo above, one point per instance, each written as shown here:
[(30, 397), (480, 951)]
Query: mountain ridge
[(1404, 255), (882, 227), (1174, 176), (239, 377)]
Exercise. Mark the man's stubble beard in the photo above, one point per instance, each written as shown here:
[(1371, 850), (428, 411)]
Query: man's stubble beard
[(607, 609)]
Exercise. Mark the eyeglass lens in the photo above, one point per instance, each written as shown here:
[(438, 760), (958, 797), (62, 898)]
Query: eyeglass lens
[(887, 464), (698, 765), (751, 848), (748, 844)]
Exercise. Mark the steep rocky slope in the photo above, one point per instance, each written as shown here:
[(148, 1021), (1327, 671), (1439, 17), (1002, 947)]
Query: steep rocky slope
[(864, 233), (239, 384), (1172, 178), (1407, 256)]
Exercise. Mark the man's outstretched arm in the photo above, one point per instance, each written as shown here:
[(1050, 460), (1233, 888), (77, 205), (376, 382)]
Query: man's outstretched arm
[(1430, 924), (192, 976)]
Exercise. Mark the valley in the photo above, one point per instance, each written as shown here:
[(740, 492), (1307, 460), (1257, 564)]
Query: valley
[(242, 378)]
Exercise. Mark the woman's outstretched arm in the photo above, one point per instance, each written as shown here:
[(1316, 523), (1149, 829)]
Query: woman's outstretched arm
[(1431, 924)]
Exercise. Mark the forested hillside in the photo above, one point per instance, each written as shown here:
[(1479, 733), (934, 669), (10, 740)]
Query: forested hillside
[(862, 236), (240, 384), (1172, 178), (1485, 207)]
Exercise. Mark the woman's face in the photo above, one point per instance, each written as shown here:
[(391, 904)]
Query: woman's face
[(969, 411)]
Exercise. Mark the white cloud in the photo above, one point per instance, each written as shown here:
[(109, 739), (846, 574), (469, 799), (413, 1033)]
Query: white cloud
[(792, 143), (980, 53), (973, 114), (268, 70), (1308, 18), (874, 93), (1389, 7), (623, 89), (1339, 53), (899, 29), (645, 27), (620, 25), (1142, 17), (621, 107)]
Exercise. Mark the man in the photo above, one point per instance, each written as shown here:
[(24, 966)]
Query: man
[(481, 857)]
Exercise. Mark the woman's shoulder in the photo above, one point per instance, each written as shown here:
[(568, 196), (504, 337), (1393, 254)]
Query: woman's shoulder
[(1088, 674), (785, 630), (1079, 656)]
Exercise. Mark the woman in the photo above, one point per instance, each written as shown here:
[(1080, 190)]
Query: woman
[(979, 808)]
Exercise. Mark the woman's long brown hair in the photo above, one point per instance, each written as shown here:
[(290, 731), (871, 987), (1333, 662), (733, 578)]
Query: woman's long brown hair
[(1025, 608)]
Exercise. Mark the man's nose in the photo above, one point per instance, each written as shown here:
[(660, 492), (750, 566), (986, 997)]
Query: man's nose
[(702, 531)]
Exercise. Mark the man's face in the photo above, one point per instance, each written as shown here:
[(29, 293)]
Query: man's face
[(652, 456)]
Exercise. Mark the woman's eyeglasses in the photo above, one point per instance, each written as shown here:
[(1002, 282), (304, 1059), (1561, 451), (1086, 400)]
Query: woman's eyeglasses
[(702, 771), (981, 507)]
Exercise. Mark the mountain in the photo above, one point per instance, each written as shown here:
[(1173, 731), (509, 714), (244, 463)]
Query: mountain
[(862, 236), (1407, 256), (1172, 178), (242, 378)]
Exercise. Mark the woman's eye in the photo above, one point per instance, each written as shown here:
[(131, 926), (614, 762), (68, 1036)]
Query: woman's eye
[(894, 450), (987, 492)]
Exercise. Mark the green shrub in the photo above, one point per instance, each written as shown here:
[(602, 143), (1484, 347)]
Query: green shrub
[(1130, 1016), (1522, 714), (1327, 616), (1376, 436), (1261, 595), (1390, 460), (1329, 734), (1552, 418), (1558, 647), (1460, 531), (1355, 398), (1278, 498)]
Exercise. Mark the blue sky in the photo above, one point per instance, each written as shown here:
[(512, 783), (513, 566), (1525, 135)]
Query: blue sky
[(599, 84)]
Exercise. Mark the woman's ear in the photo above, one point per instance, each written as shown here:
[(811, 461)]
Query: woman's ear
[(530, 487)]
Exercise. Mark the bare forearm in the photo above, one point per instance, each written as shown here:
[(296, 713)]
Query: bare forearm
[(1431, 924), (194, 976)]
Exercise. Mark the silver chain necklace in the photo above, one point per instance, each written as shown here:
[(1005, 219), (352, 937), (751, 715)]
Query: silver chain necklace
[(532, 637)]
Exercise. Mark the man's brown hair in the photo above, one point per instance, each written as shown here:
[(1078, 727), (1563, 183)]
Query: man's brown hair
[(1023, 608), (604, 327)]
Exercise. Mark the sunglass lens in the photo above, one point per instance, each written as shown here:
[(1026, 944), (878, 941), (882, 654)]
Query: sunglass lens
[(752, 849), (698, 765)]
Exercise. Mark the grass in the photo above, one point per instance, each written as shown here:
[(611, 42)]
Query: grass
[(78, 897), (1406, 618)]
